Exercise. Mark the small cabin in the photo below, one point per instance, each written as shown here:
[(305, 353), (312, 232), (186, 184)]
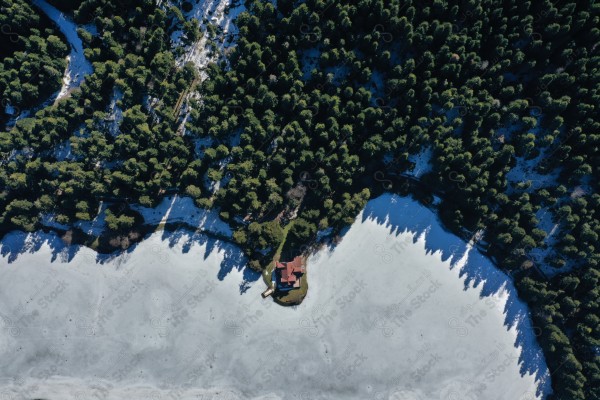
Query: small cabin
[(288, 275)]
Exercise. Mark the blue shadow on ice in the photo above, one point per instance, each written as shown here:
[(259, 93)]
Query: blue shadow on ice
[(233, 257), (403, 214), (399, 214), (202, 228), (208, 224), (18, 242)]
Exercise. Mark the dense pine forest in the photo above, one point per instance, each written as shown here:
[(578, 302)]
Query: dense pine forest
[(33, 57), (320, 106)]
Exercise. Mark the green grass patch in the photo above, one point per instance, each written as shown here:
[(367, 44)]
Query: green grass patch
[(295, 296), (286, 230), (268, 269)]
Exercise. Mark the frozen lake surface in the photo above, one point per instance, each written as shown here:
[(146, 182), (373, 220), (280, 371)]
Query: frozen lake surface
[(398, 310)]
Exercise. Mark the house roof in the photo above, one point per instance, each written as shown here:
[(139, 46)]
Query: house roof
[(291, 270)]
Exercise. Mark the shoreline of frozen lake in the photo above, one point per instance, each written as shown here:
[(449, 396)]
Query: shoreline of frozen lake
[(400, 309)]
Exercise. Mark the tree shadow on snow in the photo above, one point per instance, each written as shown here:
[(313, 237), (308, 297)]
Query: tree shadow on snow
[(403, 214), (399, 214), (17, 243), (202, 227), (233, 257)]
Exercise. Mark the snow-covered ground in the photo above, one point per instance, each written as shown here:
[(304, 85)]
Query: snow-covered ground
[(9, 109), (422, 163), (219, 13), (78, 66), (310, 61), (400, 309), (546, 223), (506, 133), (96, 226), (525, 171), (62, 151), (200, 145), (549, 224), (115, 113), (49, 220), (182, 209)]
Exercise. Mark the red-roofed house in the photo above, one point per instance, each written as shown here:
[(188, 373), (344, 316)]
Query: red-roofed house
[(289, 274)]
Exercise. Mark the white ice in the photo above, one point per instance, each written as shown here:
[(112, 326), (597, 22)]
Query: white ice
[(400, 309)]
